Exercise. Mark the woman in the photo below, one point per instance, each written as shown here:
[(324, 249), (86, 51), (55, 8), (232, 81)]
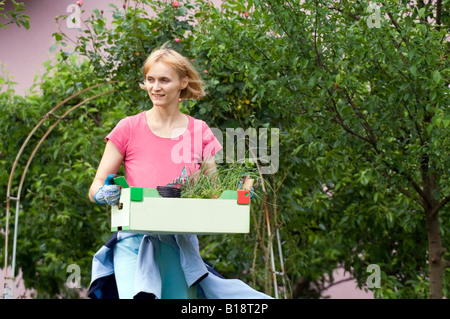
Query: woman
[(156, 146)]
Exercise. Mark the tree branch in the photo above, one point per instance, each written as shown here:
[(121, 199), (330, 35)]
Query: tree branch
[(336, 283), (319, 61), (408, 178), (339, 120), (409, 195), (440, 205), (366, 125), (396, 44), (277, 16), (397, 26), (351, 15), (438, 14)]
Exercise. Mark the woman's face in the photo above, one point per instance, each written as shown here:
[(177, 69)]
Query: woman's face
[(164, 85)]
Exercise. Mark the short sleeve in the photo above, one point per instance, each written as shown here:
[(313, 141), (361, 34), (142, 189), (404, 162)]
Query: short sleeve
[(120, 136), (210, 143)]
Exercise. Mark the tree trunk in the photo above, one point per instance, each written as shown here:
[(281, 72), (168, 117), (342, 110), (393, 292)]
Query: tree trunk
[(431, 204), (435, 250)]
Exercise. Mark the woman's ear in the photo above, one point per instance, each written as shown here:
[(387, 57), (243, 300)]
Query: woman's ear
[(184, 83)]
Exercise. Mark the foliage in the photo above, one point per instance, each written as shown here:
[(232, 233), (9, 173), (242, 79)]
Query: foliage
[(57, 226), (212, 185), (14, 15), (359, 108), (362, 113)]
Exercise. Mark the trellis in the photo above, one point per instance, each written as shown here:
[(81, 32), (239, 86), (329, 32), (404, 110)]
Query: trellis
[(8, 289)]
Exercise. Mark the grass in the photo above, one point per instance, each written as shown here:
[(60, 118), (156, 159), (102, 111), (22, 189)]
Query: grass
[(227, 177)]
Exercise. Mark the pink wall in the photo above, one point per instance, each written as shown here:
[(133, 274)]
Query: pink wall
[(23, 52)]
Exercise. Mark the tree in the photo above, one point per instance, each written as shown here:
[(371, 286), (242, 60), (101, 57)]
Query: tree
[(368, 108)]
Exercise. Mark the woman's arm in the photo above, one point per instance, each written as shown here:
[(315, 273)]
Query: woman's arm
[(109, 164)]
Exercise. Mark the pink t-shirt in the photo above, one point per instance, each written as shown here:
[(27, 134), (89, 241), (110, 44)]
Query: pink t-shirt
[(151, 160)]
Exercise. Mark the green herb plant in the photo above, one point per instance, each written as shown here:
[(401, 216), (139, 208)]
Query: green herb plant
[(211, 185)]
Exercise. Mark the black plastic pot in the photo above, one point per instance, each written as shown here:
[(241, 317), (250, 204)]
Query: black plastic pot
[(167, 191)]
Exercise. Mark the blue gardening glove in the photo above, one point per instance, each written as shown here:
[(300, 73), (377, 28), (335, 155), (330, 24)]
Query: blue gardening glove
[(108, 193)]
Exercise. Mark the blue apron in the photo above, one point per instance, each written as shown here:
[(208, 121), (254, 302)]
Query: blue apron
[(165, 267)]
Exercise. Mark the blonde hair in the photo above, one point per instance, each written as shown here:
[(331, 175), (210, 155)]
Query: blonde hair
[(182, 66)]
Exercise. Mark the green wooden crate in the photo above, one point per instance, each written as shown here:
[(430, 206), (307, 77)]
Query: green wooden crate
[(143, 210)]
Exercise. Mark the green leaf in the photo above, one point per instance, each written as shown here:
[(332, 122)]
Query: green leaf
[(413, 70), (436, 76), (338, 78), (53, 47), (422, 12), (58, 37)]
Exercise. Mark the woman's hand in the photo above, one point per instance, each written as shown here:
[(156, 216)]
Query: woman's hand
[(102, 189), (108, 193)]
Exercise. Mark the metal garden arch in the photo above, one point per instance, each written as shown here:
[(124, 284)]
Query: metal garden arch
[(8, 289)]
